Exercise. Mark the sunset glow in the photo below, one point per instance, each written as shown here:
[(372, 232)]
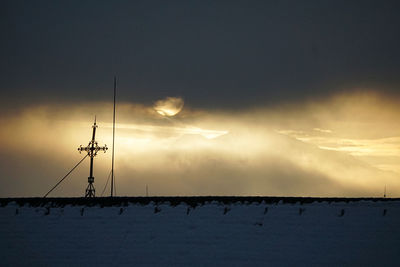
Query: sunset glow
[(322, 149)]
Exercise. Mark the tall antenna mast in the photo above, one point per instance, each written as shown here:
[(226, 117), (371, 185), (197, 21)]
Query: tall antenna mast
[(112, 164)]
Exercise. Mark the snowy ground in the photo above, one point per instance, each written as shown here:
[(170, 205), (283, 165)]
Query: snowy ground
[(359, 233)]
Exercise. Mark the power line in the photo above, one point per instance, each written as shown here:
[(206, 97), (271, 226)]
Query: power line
[(66, 175), (105, 186), (115, 187)]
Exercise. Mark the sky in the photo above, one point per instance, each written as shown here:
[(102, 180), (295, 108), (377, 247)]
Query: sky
[(284, 98)]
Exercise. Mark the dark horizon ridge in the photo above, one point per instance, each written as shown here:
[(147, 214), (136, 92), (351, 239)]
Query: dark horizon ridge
[(177, 200)]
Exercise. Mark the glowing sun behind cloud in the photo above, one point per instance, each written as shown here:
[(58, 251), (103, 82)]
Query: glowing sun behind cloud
[(169, 106)]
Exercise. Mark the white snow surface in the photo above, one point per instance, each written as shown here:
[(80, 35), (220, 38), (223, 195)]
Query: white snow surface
[(213, 234)]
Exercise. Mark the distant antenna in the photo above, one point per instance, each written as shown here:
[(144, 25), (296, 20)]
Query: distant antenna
[(112, 164), (92, 149), (384, 192)]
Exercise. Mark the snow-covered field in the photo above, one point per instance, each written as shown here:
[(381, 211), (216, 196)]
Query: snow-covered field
[(359, 233)]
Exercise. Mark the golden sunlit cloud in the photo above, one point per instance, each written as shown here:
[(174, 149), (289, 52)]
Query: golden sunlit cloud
[(169, 106), (347, 145)]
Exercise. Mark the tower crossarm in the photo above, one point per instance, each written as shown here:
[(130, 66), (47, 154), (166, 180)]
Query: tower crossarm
[(92, 148)]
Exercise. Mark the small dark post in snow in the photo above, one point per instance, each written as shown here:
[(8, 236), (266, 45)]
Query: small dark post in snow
[(265, 210), (82, 209), (384, 212), (341, 213), (226, 209), (301, 210), (157, 209)]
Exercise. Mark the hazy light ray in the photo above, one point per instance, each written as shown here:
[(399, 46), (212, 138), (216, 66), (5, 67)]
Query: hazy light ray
[(322, 130), (355, 151), (379, 147), (209, 134)]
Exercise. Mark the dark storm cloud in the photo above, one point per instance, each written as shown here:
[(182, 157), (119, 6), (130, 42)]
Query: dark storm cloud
[(214, 54)]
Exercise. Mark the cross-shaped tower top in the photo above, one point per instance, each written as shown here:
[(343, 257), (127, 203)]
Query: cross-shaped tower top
[(92, 148)]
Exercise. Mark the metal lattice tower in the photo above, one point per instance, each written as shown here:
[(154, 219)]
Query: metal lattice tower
[(92, 148)]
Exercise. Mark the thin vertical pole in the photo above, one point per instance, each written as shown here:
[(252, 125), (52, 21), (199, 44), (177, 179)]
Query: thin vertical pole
[(384, 193), (112, 164)]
